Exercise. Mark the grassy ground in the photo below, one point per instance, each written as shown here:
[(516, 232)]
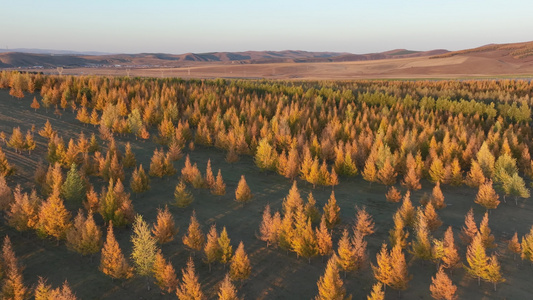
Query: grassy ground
[(275, 274)]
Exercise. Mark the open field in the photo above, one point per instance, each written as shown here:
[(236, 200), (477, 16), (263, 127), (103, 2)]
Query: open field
[(275, 273), (406, 68), (492, 61)]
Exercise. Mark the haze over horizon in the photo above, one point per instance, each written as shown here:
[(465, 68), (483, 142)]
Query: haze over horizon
[(235, 25)]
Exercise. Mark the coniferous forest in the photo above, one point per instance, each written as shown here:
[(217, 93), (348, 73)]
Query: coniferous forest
[(123, 188)]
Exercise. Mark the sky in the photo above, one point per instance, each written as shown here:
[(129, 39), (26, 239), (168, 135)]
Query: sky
[(182, 26)]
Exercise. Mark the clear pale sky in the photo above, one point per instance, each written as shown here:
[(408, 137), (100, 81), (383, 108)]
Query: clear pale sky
[(180, 26)]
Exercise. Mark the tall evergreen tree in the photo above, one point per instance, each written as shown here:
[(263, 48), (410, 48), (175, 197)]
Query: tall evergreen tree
[(74, 187)]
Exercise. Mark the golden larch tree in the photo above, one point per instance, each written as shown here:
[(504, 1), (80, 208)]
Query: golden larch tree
[(212, 248), (363, 222), (477, 259), (189, 285), (194, 239), (226, 250), (332, 211), (240, 267), (330, 285), (164, 274), (243, 193), (442, 287), (112, 262), (165, 228), (227, 290)]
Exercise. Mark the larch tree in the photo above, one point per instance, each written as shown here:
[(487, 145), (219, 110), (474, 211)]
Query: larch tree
[(23, 211), (487, 196), (113, 263), (243, 193), (189, 286), (398, 234), (346, 256), (165, 228), (6, 194), (240, 268), (182, 196), (84, 236), (363, 222), (209, 177), (383, 268), (399, 274), (265, 228), (377, 292), (144, 248), (164, 274), (194, 239), (387, 174), (265, 156), (310, 209), (212, 248), (129, 160), (226, 250), (442, 287), (407, 211), (436, 171), (484, 230), (227, 290), (432, 218), (469, 231), (330, 285), (393, 195), (13, 284), (486, 160), (437, 198), (323, 236), (517, 187), (140, 182), (421, 246), (514, 245), (475, 177), (293, 201), (477, 259), (411, 179), (370, 172), (450, 258), (493, 272), (332, 211), (360, 248), (5, 167), (54, 218), (35, 104), (527, 246), (219, 187)]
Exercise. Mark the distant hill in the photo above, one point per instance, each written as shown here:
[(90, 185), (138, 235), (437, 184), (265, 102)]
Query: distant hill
[(51, 60)]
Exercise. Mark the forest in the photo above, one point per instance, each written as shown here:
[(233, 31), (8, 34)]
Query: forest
[(164, 188)]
